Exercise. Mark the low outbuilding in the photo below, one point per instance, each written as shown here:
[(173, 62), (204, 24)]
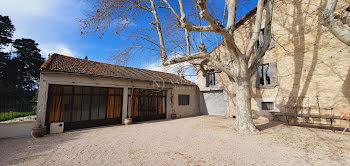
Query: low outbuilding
[(84, 93)]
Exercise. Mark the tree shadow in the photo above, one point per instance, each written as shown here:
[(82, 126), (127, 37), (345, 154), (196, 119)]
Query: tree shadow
[(16, 151), (297, 101), (346, 87), (268, 125)]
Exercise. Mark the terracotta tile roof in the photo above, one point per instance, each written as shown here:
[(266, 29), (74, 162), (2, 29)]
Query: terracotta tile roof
[(66, 64), (242, 20)]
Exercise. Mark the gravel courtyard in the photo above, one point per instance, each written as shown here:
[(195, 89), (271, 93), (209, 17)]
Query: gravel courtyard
[(202, 140)]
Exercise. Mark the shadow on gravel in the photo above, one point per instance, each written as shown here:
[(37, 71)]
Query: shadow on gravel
[(19, 150), (268, 125)]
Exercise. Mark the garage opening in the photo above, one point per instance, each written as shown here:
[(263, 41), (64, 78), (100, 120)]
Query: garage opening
[(146, 104), (83, 106)]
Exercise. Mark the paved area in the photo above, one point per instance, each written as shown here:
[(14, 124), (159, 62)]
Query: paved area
[(202, 140)]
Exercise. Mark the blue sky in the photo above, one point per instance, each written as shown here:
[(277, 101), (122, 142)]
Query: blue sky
[(53, 25)]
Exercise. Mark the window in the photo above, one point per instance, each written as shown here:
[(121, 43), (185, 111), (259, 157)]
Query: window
[(184, 99), (267, 105), (146, 104), (264, 75), (77, 103), (260, 41), (211, 78), (267, 75)]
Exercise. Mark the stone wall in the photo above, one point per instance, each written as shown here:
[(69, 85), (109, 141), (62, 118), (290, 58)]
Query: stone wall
[(313, 66)]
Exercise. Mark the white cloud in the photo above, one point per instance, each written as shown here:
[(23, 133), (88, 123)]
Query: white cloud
[(30, 8), (45, 21), (59, 48), (125, 21), (183, 68)]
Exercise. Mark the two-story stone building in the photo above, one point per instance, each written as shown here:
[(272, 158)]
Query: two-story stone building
[(305, 70)]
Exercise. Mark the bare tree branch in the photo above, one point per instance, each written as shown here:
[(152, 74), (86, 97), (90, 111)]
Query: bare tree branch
[(235, 66), (185, 58), (172, 9), (232, 10), (160, 33), (256, 28), (261, 50), (335, 26), (182, 20)]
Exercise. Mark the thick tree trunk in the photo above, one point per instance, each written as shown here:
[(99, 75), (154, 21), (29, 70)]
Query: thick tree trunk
[(244, 121)]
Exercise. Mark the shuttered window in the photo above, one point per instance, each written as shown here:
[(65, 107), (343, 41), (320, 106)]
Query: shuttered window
[(184, 99), (267, 75), (211, 79), (260, 41)]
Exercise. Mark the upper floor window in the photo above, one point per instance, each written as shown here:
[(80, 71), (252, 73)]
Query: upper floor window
[(260, 41), (211, 80), (267, 75)]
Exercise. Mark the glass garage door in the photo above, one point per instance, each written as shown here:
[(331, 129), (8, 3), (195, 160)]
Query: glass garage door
[(82, 106), (146, 104)]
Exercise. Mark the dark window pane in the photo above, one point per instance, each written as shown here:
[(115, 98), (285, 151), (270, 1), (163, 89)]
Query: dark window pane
[(96, 91), (86, 90), (66, 109), (67, 89), (103, 91), (268, 76), (78, 90), (94, 107), (211, 78), (267, 106), (184, 99), (260, 75), (102, 107), (76, 111), (85, 108)]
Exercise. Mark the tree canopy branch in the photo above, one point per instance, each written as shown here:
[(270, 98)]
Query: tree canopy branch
[(261, 50), (335, 26), (256, 28)]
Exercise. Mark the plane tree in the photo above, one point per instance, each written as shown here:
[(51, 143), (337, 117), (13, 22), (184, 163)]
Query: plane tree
[(196, 21)]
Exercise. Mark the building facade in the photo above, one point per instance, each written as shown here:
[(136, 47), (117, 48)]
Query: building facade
[(83, 93), (306, 69)]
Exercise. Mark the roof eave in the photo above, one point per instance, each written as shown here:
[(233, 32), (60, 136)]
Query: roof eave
[(43, 71)]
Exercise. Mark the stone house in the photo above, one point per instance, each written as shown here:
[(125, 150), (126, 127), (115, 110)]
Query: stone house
[(83, 93), (305, 70)]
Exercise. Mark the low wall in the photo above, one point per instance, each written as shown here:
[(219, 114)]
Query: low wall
[(16, 129)]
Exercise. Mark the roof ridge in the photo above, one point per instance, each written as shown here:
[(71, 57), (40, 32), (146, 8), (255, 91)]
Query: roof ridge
[(48, 61), (57, 54)]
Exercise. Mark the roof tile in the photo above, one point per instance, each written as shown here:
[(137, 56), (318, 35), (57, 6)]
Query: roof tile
[(62, 63)]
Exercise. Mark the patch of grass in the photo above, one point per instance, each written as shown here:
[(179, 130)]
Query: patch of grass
[(4, 116)]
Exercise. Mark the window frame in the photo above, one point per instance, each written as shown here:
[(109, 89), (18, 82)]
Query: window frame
[(268, 102), (269, 74), (180, 100), (211, 78), (265, 77)]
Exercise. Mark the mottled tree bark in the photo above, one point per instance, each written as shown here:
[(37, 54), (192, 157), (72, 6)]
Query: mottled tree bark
[(336, 26)]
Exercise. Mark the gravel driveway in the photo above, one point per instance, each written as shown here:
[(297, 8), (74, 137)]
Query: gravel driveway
[(202, 140)]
